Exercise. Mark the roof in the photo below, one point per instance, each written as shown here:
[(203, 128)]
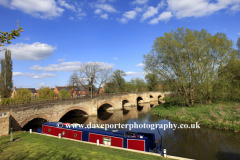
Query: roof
[(33, 90), (80, 88), (60, 88), (67, 89)]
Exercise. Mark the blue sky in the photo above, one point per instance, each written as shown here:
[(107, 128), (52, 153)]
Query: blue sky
[(61, 34)]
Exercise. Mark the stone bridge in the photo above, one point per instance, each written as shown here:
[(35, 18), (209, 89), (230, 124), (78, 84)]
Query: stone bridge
[(19, 115)]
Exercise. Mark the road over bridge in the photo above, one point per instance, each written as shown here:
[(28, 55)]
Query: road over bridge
[(17, 116)]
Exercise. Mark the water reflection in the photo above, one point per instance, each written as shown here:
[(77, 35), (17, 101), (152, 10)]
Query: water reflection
[(198, 144)]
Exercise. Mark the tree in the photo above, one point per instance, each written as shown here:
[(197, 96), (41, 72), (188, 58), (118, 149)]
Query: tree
[(63, 93), (152, 82), (228, 84), (46, 93), (238, 46), (94, 73), (6, 75), (110, 88), (6, 37), (192, 60), (73, 80), (117, 78), (2, 79), (23, 95), (139, 84)]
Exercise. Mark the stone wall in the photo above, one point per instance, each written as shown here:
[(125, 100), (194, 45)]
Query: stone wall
[(5, 123)]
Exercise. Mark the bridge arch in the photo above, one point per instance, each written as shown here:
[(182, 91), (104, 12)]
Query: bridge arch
[(105, 105), (124, 101), (139, 98), (71, 109), (27, 120)]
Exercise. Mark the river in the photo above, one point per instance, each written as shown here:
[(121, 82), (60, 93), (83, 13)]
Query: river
[(200, 144)]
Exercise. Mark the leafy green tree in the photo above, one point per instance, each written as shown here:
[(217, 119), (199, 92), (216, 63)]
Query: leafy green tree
[(46, 93), (118, 80), (63, 93), (228, 84), (6, 75), (2, 79), (152, 81), (193, 59), (140, 84), (23, 95), (5, 37), (130, 87), (110, 88)]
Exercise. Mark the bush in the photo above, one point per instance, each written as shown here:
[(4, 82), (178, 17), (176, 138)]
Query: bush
[(64, 93)]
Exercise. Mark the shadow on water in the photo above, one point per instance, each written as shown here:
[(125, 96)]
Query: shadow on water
[(139, 107), (104, 115), (226, 155), (75, 116)]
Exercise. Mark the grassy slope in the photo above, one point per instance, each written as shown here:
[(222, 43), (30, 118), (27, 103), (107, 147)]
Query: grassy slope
[(221, 116), (33, 146)]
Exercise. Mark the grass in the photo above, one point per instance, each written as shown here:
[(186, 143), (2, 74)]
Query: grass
[(34, 146), (225, 115)]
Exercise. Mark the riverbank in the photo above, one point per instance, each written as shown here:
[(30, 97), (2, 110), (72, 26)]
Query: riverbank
[(34, 146), (219, 115)]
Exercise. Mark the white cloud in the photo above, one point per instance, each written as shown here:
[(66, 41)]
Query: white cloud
[(36, 51), (140, 65), (45, 9), (140, 1), (61, 59), (67, 66), (80, 14), (123, 20), (16, 74), (71, 18), (199, 8), (115, 58), (44, 75), (235, 7), (127, 16), (131, 73), (130, 14), (239, 33), (42, 85), (68, 6), (33, 75), (104, 16), (137, 9), (152, 11), (105, 7), (165, 16), (64, 66), (98, 11)]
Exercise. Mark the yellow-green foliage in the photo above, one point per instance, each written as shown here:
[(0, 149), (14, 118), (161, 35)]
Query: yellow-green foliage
[(64, 93), (22, 95), (46, 93)]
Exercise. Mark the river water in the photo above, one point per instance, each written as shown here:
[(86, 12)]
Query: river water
[(200, 144)]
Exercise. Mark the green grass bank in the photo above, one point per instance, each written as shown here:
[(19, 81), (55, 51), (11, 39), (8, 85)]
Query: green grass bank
[(34, 146), (217, 115)]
